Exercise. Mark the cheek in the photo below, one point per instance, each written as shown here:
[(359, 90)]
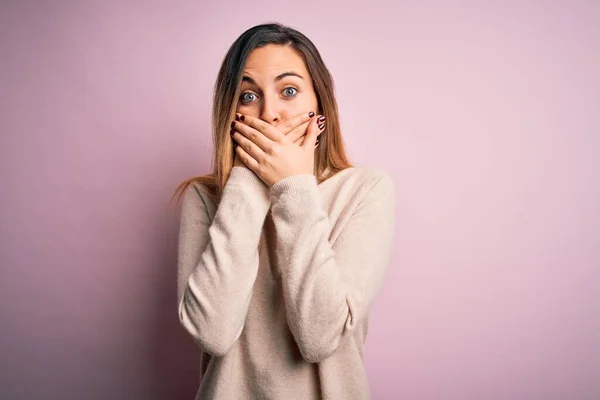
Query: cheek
[(305, 103), (311, 102), (247, 109)]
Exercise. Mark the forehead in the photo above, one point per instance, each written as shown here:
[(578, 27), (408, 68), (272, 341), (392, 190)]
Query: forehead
[(271, 60)]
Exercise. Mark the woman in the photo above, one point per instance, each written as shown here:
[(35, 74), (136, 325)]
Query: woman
[(283, 248)]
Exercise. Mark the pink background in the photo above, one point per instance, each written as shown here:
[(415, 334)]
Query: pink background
[(485, 114)]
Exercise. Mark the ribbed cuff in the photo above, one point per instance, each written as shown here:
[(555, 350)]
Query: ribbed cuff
[(293, 185), (245, 176)]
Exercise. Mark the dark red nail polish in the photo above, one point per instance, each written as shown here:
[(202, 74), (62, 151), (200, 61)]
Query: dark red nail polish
[(316, 143), (231, 132), (242, 117), (311, 114), (321, 119), (321, 126), (237, 117), (232, 124)]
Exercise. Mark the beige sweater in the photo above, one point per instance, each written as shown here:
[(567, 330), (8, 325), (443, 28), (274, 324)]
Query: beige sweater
[(275, 284)]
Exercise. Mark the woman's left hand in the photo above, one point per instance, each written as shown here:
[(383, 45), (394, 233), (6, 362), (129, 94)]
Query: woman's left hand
[(272, 155)]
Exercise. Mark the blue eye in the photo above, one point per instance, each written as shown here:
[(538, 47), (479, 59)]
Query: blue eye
[(287, 89), (244, 97)]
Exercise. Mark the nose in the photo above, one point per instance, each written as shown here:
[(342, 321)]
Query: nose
[(271, 109)]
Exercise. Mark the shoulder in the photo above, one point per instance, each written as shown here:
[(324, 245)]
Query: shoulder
[(372, 175), (366, 181), (197, 197), (364, 195)]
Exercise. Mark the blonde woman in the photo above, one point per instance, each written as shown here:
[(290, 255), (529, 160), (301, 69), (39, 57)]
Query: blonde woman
[(284, 246)]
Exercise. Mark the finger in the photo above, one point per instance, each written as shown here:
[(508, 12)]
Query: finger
[(247, 145), (314, 130), (246, 158), (258, 130), (300, 140), (297, 132), (287, 125), (256, 137)]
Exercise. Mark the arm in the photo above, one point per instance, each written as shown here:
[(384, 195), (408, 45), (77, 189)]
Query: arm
[(218, 261), (329, 289)]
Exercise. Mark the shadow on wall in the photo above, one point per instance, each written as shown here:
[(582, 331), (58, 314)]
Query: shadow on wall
[(176, 369)]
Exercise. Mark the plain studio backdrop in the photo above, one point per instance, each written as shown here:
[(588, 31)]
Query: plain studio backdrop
[(486, 115)]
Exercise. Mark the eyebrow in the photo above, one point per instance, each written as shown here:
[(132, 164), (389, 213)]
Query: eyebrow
[(278, 78)]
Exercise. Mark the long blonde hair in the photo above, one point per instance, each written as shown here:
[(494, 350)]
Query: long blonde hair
[(330, 156)]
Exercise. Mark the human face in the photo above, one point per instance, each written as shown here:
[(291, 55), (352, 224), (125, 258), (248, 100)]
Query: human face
[(276, 85)]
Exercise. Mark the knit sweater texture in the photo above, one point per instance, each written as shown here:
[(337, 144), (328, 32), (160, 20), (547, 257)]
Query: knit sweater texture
[(275, 283)]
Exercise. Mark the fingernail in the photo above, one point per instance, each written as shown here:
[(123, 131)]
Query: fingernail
[(321, 119), (321, 126), (237, 117), (311, 114), (232, 124), (316, 143), (231, 132), (242, 117)]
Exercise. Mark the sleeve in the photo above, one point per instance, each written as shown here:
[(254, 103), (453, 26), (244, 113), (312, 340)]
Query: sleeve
[(328, 289), (218, 262)]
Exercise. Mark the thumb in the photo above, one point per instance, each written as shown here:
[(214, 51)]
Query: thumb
[(313, 131)]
